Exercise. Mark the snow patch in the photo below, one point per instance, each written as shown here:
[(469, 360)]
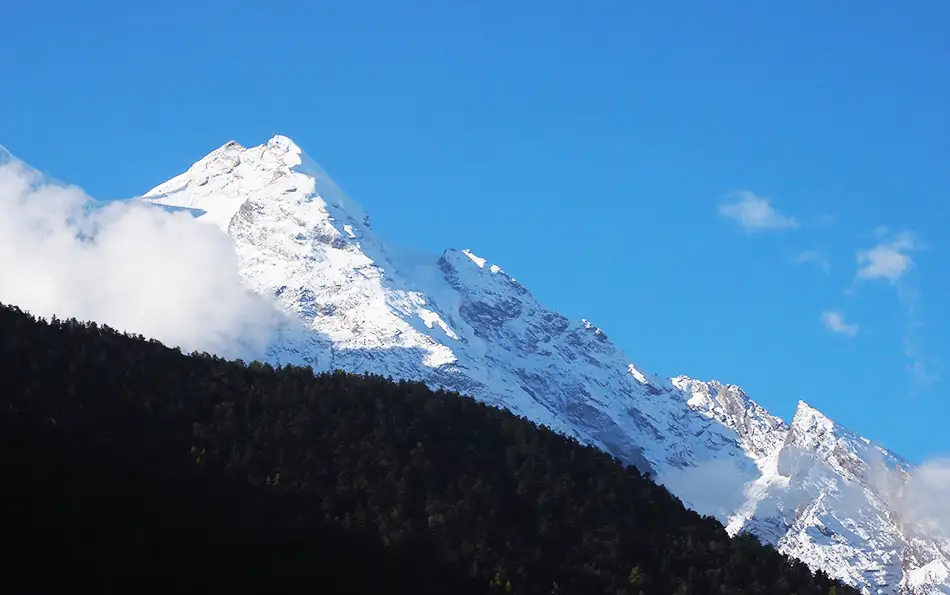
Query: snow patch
[(479, 261), (431, 320), (932, 573)]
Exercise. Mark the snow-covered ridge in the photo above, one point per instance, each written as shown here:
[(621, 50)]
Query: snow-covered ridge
[(810, 487), (5, 155)]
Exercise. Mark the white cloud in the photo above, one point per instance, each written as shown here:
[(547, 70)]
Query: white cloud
[(754, 213), (136, 268), (919, 494), (715, 487), (927, 499), (888, 260), (814, 257), (834, 322)]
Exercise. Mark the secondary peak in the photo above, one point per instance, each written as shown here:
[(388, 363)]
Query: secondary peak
[(283, 143), (806, 413)]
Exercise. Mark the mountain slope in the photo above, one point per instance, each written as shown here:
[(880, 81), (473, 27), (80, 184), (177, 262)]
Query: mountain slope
[(256, 479), (360, 304), (134, 513)]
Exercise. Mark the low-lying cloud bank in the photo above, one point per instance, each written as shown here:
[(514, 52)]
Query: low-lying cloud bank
[(929, 495), (134, 267), (922, 497), (715, 487)]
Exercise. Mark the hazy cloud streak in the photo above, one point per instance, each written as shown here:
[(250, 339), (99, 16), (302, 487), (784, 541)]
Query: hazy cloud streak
[(889, 260), (814, 257), (714, 487), (918, 494)]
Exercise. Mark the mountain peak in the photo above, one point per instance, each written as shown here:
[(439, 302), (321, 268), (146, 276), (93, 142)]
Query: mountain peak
[(278, 143), (216, 186), (818, 433), (814, 431), (809, 418), (284, 143)]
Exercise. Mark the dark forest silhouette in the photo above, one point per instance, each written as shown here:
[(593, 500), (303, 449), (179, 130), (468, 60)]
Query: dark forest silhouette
[(130, 466)]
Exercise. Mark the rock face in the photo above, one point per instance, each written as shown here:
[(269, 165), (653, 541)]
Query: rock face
[(815, 490)]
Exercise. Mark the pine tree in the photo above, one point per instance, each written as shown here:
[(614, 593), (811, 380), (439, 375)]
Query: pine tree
[(636, 576)]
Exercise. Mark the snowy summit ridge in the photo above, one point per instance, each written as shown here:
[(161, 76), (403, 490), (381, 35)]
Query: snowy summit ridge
[(811, 487)]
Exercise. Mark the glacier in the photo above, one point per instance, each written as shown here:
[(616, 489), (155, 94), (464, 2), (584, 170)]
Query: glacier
[(353, 301)]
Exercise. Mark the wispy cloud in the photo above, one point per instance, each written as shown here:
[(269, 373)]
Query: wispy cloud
[(889, 259), (834, 321), (924, 370), (918, 495), (709, 487), (134, 267), (927, 496), (814, 257), (754, 213)]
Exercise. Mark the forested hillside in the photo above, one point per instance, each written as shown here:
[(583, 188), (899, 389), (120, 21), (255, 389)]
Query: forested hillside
[(128, 461)]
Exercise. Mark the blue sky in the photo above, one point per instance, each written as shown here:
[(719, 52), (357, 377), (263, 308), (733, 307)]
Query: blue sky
[(708, 182)]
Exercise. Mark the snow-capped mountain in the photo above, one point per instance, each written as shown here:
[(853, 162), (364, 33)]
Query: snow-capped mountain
[(815, 490)]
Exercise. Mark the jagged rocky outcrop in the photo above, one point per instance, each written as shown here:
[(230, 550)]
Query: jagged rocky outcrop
[(358, 303)]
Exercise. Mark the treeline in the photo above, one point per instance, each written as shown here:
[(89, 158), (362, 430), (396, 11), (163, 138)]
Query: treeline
[(143, 464)]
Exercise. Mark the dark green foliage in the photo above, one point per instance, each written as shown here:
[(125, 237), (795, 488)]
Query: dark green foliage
[(474, 491), (80, 514)]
